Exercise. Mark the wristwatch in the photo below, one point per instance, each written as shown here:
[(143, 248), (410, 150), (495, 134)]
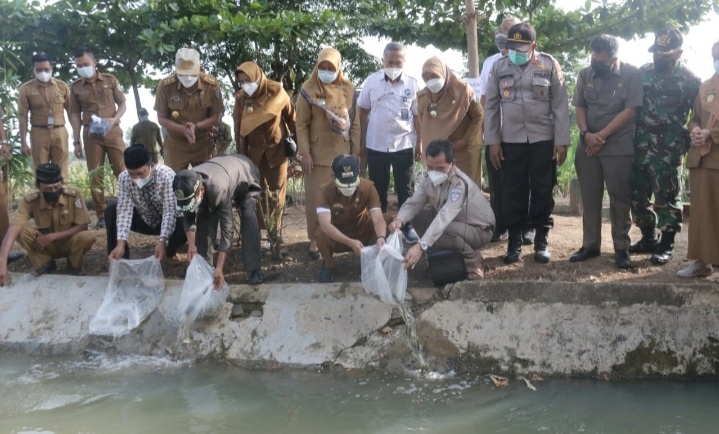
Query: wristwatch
[(583, 134), (163, 240), (423, 246)]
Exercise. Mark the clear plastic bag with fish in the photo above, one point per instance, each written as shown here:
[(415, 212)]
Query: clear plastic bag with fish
[(99, 127), (133, 292), (199, 297), (383, 272)]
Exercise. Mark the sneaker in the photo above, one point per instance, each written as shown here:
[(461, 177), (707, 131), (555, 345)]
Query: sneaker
[(697, 269), (100, 223), (326, 274), (256, 277), (49, 267)]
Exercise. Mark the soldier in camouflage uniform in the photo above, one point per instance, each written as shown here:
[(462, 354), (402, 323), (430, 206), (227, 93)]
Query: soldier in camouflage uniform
[(660, 142)]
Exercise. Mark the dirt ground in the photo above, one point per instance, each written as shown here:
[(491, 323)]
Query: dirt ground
[(297, 267)]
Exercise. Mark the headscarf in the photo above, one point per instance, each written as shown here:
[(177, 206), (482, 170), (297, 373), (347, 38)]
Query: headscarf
[(452, 103), (339, 95), (267, 102)]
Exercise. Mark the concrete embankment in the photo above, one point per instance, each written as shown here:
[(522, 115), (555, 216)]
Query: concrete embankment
[(561, 329)]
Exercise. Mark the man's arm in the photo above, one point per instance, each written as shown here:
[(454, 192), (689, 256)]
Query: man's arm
[(325, 219), (560, 107), (414, 204), (159, 140), (446, 214), (121, 104), (492, 112), (378, 221), (23, 108), (364, 122), (624, 117)]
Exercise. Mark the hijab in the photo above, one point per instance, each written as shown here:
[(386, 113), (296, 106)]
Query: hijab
[(267, 102), (338, 96), (452, 103)]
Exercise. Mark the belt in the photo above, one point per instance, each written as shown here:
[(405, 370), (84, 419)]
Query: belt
[(49, 127)]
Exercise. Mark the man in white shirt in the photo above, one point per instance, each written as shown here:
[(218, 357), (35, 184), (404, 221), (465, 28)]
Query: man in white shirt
[(389, 124)]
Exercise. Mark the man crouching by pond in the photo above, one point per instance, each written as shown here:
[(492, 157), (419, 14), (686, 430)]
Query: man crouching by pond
[(349, 213), (60, 230), (461, 217)]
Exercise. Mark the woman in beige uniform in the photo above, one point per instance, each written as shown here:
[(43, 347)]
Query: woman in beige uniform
[(449, 110), (263, 117), (326, 127)]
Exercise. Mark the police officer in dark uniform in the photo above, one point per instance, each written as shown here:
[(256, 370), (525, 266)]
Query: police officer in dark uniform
[(206, 195), (349, 211)]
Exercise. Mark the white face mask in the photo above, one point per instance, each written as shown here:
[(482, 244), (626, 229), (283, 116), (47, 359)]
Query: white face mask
[(43, 77), (86, 71), (393, 73), (141, 182), (347, 191), (187, 80), (327, 77), (437, 178), (435, 85), (250, 88)]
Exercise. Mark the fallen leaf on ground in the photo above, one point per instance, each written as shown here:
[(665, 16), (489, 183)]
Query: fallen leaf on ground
[(498, 381), (529, 385), (387, 330)]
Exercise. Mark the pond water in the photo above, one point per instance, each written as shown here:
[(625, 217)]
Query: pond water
[(102, 394)]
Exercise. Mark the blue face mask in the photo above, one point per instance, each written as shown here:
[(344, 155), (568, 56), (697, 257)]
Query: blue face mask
[(327, 77), (518, 58), (716, 66), (144, 118)]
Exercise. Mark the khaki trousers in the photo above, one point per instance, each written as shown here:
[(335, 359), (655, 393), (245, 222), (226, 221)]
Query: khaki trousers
[(50, 146), (364, 231), (276, 180), (180, 155), (96, 148), (74, 249), (320, 175)]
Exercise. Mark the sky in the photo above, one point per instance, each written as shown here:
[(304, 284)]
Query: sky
[(697, 54)]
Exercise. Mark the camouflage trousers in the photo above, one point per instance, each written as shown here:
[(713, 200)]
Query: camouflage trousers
[(663, 181)]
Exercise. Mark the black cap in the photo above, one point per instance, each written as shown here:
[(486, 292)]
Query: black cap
[(668, 41), (48, 173), (142, 112), (186, 185), (136, 156), (346, 170), (521, 37)]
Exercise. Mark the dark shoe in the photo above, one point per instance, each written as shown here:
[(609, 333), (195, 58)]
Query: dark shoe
[(499, 236), (541, 247), (100, 223), (528, 236), (313, 254), (514, 247), (256, 277), (75, 271), (326, 274), (410, 234), (14, 256), (621, 257), (665, 250), (583, 254), (49, 267), (648, 243)]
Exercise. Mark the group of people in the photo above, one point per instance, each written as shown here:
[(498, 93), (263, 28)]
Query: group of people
[(633, 139)]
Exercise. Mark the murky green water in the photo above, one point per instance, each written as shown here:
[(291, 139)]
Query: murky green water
[(100, 394)]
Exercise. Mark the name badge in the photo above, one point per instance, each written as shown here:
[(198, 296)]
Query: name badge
[(51, 120), (404, 114)]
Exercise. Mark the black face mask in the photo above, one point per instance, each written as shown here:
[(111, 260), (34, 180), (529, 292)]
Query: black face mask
[(52, 196), (664, 65), (600, 68)]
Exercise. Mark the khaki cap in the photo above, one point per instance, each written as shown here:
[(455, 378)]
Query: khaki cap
[(187, 62)]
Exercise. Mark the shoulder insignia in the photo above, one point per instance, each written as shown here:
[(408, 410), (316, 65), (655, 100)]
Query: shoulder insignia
[(455, 193), (32, 197), (70, 191), (169, 80), (208, 78)]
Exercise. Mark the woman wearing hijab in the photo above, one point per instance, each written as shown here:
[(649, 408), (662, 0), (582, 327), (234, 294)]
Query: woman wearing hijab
[(703, 164), (326, 127), (449, 110), (263, 117)]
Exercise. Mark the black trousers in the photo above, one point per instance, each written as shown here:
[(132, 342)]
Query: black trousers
[(495, 191), (528, 167), (207, 224), (177, 239), (402, 164)]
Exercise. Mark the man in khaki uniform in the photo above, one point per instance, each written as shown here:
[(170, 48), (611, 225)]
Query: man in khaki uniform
[(46, 99), (100, 95), (147, 133), (350, 215), (461, 217), (4, 217), (60, 228), (188, 103)]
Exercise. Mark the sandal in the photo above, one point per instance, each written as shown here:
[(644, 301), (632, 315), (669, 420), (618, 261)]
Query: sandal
[(313, 254)]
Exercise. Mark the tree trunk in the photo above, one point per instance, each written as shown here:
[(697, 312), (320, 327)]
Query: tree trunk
[(135, 90), (470, 16)]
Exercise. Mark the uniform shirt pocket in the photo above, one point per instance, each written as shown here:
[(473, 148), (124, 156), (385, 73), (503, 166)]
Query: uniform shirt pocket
[(59, 103), (540, 87), (590, 94), (176, 104), (619, 98), (506, 88), (43, 221)]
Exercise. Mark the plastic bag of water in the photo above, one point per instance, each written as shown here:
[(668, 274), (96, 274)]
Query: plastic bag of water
[(133, 292), (98, 126), (383, 272), (199, 297)]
